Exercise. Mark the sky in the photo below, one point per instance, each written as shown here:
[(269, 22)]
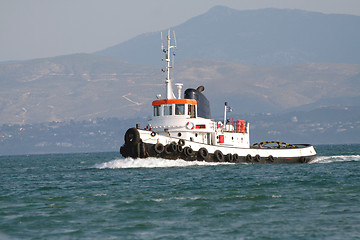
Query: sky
[(32, 29)]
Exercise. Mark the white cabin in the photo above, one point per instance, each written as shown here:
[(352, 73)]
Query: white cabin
[(177, 118)]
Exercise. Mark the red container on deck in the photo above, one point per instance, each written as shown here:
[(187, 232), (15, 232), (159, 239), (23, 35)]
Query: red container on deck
[(221, 138)]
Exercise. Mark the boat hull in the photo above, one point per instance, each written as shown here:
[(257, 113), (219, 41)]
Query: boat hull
[(144, 144)]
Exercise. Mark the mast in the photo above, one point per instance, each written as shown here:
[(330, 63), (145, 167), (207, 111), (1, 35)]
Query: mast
[(224, 128), (169, 91)]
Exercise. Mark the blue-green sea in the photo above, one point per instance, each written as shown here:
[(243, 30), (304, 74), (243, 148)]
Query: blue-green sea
[(102, 196)]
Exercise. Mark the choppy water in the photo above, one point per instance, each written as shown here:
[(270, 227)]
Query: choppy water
[(100, 196)]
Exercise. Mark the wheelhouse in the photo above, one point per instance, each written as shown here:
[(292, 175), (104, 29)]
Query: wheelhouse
[(175, 107)]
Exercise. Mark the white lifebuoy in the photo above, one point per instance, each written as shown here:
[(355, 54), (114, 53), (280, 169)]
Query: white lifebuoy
[(220, 125), (190, 125)]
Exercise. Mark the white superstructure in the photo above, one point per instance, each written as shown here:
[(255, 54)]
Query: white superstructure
[(178, 117)]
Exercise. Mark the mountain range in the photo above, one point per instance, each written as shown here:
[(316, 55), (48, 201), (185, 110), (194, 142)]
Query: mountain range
[(83, 86), (255, 37)]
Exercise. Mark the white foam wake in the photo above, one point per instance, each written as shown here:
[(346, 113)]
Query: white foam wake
[(340, 158), (165, 163), (152, 163)]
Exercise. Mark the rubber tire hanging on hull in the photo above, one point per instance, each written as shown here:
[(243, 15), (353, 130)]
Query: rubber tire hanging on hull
[(270, 159), (158, 148), (179, 149), (203, 154), (188, 151), (218, 156), (235, 157), (229, 157), (170, 148), (248, 158)]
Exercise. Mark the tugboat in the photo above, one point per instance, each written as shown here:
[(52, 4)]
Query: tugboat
[(182, 128)]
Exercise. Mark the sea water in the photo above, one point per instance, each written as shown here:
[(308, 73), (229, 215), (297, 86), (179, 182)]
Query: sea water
[(103, 196)]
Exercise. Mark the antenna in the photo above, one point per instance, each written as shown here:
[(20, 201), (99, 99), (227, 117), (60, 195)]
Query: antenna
[(169, 91), (162, 43), (174, 38)]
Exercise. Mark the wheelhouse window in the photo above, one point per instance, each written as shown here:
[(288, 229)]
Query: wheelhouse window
[(167, 110), (191, 111), (179, 109), (157, 111)]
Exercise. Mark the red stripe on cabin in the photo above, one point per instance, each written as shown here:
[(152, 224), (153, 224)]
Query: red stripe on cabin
[(174, 101)]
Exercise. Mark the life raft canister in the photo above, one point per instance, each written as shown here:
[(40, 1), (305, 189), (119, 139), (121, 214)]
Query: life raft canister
[(240, 126), (190, 125)]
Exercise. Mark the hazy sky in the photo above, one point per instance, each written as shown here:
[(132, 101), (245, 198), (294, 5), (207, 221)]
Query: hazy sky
[(45, 28)]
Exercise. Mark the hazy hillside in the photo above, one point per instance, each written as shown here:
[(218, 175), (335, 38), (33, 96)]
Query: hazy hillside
[(261, 37), (77, 87), (82, 87), (273, 89), (330, 125)]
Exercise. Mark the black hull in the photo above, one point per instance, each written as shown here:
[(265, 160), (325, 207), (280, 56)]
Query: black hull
[(176, 151)]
